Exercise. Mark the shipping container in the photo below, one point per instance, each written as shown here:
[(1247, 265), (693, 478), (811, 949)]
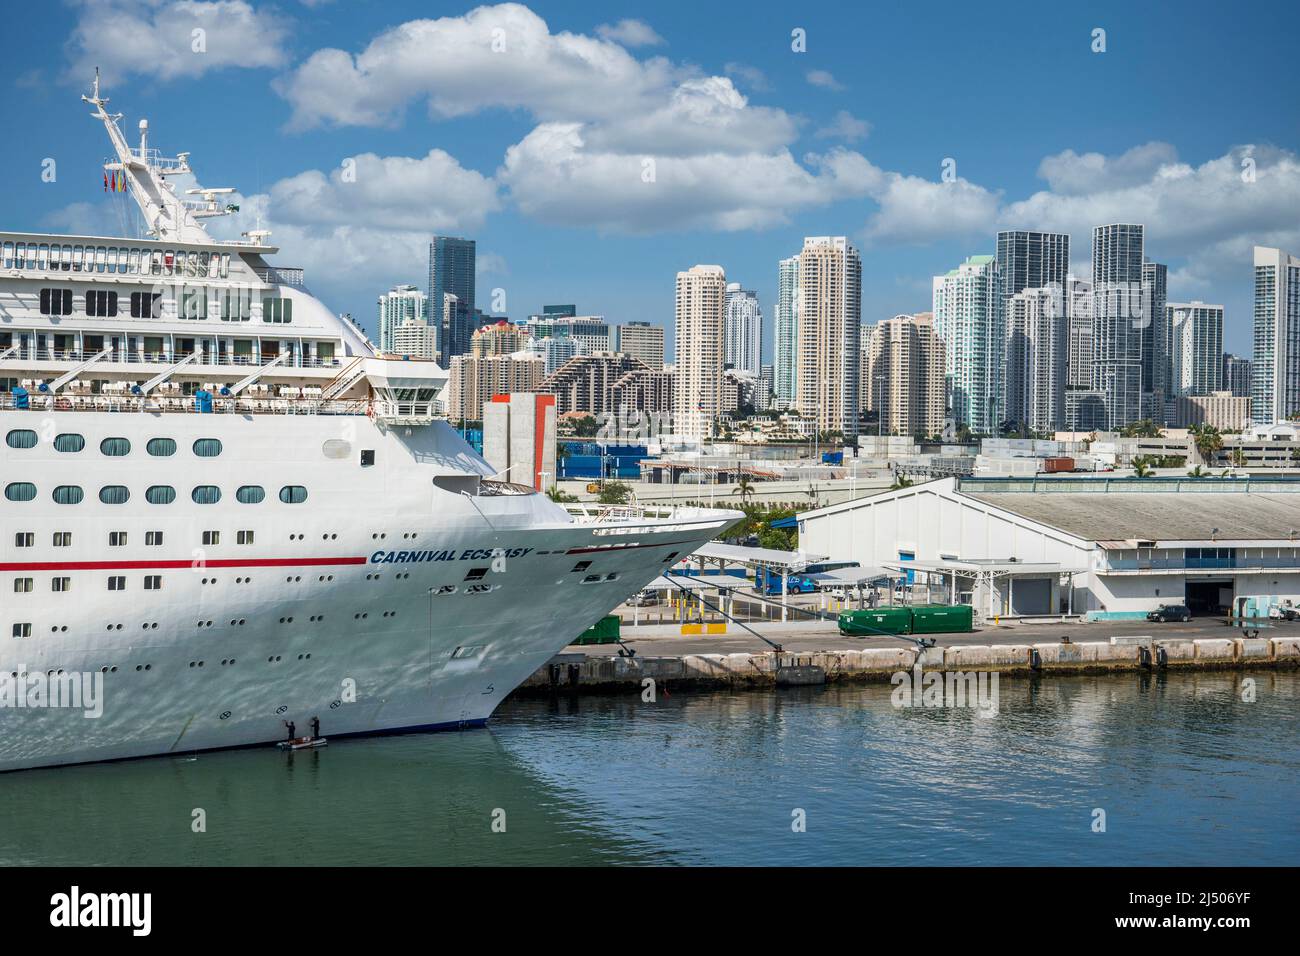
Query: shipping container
[(880, 620), (1058, 464), (941, 619)]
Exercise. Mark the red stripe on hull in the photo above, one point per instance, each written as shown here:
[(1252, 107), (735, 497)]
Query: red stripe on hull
[(163, 565)]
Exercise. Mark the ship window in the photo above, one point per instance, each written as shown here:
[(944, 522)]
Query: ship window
[(207, 447), (21, 438), (60, 584), (211, 537), (206, 494), (146, 305), (117, 582), (476, 574), (24, 539), (161, 447), (20, 491), (115, 447), (250, 495), (152, 538), (277, 309), (56, 302), (22, 630), (114, 495), (194, 304), (293, 494), (236, 305), (160, 494), (243, 537), (69, 441), (581, 566), (68, 495), (117, 539), (101, 304), (22, 585), (153, 582), (62, 539)]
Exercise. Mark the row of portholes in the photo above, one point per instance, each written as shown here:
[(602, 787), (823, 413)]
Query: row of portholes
[(155, 494), (23, 438)]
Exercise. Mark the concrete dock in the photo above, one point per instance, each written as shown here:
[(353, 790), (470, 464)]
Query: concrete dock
[(1038, 650)]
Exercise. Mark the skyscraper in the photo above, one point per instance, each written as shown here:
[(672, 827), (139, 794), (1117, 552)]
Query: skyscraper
[(1275, 367), (1038, 336), (1078, 300), (905, 374), (828, 356), (786, 344), (643, 341), (1197, 347), (399, 304), (1032, 260), (451, 270), (697, 379), (969, 317), (1157, 343), (742, 330), (1121, 313), (1236, 375)]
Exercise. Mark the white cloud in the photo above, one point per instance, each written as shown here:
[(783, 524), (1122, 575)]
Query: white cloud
[(824, 79), (158, 38), (433, 193), (919, 210), (1069, 173), (630, 33), (501, 56), (845, 126)]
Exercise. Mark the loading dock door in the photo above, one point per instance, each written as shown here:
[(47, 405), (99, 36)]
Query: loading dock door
[(1032, 596), (1210, 597)]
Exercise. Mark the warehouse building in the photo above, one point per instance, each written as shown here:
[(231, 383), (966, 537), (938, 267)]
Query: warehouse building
[(1109, 548)]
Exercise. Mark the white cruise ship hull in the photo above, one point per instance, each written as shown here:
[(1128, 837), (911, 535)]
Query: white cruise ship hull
[(382, 602)]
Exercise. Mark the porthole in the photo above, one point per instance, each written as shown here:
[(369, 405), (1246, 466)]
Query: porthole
[(207, 447), (69, 442), (161, 447), (160, 494), (20, 491), (115, 447), (293, 494), (206, 494), (68, 495), (114, 494), (21, 438), (252, 495)]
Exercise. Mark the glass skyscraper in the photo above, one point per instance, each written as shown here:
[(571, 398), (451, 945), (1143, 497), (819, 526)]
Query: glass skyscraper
[(451, 269)]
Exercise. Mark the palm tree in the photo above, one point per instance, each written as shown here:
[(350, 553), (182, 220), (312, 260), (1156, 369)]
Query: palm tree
[(1238, 458), (1142, 467), (1198, 472), (744, 488), (1207, 439), (901, 481)]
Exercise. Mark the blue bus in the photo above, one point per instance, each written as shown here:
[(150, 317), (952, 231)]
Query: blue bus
[(799, 581)]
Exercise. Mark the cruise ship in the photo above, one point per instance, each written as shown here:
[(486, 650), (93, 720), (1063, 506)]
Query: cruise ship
[(228, 519)]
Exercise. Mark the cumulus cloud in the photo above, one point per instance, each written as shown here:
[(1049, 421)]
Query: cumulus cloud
[(1071, 174), (432, 193), (845, 126), (824, 79), (168, 39), (630, 33), (751, 76), (499, 56), (917, 210)]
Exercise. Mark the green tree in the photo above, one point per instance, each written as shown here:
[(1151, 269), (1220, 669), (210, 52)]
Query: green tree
[(744, 488), (1198, 472), (1142, 467), (901, 481), (1208, 440), (614, 493), (559, 496), (1145, 428), (586, 427)]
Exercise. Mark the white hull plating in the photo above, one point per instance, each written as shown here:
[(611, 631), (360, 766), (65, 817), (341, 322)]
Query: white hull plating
[(382, 602)]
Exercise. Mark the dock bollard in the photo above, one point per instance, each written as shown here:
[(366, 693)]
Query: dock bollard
[(1035, 660), (1162, 657), (1144, 657)]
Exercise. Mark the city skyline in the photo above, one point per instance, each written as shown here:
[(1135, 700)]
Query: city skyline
[(818, 142)]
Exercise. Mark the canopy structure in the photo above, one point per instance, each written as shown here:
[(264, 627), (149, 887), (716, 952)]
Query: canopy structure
[(855, 577), (759, 560), (983, 572)]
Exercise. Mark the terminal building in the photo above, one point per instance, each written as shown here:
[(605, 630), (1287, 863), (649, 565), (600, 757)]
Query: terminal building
[(1105, 548)]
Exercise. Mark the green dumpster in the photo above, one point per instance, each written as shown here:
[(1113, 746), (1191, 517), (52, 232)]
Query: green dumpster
[(604, 631), (879, 620), (941, 619)]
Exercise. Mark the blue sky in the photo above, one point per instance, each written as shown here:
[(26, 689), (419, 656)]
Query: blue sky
[(537, 149)]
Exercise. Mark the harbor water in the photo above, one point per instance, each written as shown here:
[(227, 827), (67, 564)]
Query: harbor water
[(1180, 769)]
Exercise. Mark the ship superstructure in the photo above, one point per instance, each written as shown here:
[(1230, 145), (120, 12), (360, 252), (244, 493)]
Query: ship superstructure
[(226, 510)]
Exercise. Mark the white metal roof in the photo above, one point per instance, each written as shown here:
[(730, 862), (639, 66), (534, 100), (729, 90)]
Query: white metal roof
[(719, 582), (853, 576), (980, 566), (751, 557)]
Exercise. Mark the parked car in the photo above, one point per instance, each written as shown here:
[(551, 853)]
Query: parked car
[(1170, 612)]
